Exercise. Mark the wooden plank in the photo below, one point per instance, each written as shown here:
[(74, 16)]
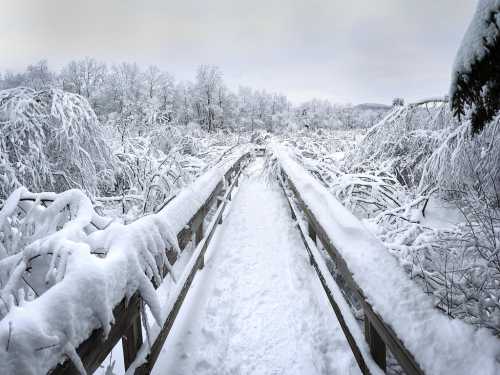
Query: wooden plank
[(132, 340), (95, 349), (376, 344), (198, 238), (391, 340)]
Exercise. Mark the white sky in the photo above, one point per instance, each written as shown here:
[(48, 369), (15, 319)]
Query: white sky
[(346, 51)]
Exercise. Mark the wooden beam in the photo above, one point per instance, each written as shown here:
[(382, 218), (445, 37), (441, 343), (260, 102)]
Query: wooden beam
[(132, 340), (376, 344)]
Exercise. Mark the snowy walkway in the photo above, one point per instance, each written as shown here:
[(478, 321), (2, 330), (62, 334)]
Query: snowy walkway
[(257, 308)]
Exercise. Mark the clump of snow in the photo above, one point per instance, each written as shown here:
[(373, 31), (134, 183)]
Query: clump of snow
[(440, 345)]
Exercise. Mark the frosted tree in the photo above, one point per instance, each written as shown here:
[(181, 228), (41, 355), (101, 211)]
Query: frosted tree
[(85, 77), (11, 80), (50, 141), (38, 76), (159, 96), (184, 103), (207, 85)]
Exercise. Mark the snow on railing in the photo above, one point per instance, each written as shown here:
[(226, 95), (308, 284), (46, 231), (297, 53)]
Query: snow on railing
[(397, 312), (72, 281)]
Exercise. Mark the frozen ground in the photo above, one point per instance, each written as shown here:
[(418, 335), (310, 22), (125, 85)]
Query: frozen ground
[(257, 308)]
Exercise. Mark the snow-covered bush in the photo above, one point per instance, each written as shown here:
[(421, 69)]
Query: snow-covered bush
[(463, 161), (51, 140), (151, 167), (405, 138)]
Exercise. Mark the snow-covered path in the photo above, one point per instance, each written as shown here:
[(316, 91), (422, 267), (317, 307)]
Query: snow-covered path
[(257, 307)]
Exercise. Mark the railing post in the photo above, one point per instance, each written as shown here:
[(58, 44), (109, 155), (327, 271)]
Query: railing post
[(376, 344), (312, 233), (219, 202), (132, 338), (198, 236)]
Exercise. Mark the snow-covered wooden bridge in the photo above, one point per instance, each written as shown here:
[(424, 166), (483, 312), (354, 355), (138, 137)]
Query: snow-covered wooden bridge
[(266, 276)]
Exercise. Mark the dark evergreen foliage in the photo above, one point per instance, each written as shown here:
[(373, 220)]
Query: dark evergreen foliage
[(479, 88)]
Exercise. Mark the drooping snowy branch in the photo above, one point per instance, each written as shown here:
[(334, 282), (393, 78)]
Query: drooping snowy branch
[(51, 140)]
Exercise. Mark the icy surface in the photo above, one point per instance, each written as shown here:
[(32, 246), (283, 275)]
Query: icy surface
[(440, 345), (257, 307)]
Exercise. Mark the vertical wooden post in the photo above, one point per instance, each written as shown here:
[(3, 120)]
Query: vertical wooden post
[(311, 231), (376, 344), (132, 338), (198, 236), (312, 234), (219, 202)]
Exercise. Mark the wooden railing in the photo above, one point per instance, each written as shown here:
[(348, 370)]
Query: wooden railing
[(378, 334), (128, 314)]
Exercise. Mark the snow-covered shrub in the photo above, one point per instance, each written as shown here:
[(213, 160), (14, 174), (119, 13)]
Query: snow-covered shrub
[(153, 166), (149, 170), (463, 160), (368, 187), (458, 264), (406, 138), (50, 140)]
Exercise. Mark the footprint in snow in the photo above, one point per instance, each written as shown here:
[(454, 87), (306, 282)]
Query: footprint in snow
[(210, 335), (203, 365)]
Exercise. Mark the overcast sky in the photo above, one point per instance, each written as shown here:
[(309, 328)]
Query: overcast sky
[(345, 51)]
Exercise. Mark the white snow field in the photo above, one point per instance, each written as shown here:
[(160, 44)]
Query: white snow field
[(258, 307)]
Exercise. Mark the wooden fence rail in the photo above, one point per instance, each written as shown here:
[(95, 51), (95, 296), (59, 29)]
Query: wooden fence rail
[(128, 314), (378, 334)]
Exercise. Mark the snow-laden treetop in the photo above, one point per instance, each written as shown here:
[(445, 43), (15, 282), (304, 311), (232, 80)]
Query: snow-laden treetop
[(481, 33), (476, 68)]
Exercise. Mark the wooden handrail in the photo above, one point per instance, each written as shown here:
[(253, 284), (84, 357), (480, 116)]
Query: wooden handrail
[(378, 334), (127, 314)]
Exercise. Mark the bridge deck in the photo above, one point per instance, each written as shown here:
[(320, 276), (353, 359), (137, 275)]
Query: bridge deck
[(258, 307)]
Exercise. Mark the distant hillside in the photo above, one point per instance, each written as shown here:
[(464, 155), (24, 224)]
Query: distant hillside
[(372, 106)]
